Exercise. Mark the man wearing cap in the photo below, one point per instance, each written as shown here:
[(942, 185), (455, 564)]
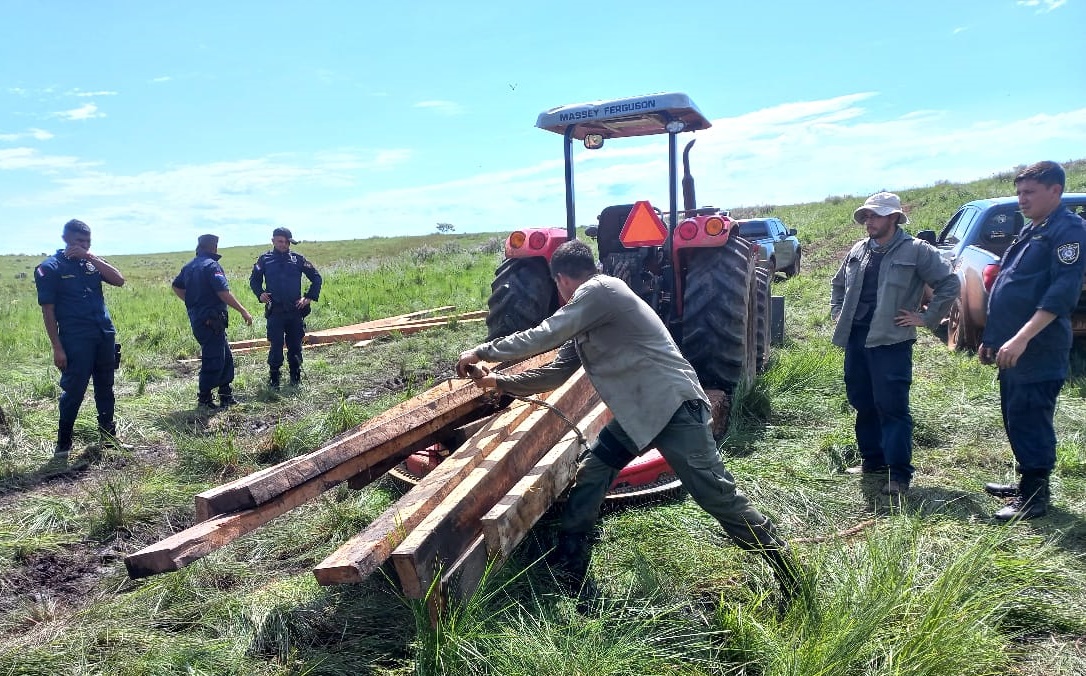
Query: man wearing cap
[(276, 280), (82, 334), (202, 285), (1028, 332), (876, 302)]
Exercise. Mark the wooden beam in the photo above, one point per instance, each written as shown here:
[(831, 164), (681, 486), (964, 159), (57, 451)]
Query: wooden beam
[(363, 334), (508, 521), (392, 432), (195, 542), (385, 321), (442, 536), (360, 556)]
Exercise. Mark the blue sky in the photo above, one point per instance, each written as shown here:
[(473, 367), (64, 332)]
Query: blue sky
[(157, 121)]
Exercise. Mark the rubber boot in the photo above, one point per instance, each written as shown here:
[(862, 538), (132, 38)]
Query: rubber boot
[(273, 379), (569, 565), (789, 574), (1032, 500)]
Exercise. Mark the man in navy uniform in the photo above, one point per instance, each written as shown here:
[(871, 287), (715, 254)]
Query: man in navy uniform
[(1028, 334), (202, 285), (276, 280), (79, 327)]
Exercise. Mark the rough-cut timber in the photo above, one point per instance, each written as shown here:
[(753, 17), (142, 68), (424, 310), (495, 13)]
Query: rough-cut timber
[(184, 547), (508, 521), (360, 556), (373, 323), (441, 537), (390, 434)]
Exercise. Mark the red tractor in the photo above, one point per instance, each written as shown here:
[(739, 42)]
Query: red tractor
[(690, 265)]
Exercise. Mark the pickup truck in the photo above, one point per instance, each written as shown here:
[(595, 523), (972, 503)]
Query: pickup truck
[(778, 246), (974, 240)]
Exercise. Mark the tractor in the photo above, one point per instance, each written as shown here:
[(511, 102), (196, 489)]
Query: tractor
[(689, 265)]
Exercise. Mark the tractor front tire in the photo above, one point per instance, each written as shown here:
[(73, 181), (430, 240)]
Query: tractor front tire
[(761, 312), (716, 314), (521, 296)]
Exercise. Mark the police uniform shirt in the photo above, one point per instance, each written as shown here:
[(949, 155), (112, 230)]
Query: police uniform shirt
[(203, 279), (1042, 270), (74, 288), (281, 273)]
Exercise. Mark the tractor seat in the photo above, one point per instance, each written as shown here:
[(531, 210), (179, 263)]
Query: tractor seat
[(611, 220)]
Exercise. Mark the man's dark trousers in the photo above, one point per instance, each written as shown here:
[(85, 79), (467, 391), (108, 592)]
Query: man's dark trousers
[(216, 360), (291, 326), (90, 356), (1028, 410), (877, 382)]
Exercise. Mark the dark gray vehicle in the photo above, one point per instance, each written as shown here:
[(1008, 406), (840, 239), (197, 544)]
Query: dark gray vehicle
[(778, 246), (974, 240)]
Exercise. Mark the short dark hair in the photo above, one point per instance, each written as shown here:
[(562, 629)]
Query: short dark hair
[(76, 225), (573, 259), (1046, 173)]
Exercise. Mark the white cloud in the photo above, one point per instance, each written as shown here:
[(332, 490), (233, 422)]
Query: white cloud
[(85, 112), (34, 133), (1042, 5), (161, 78), (959, 29), (29, 158), (443, 107), (81, 93)]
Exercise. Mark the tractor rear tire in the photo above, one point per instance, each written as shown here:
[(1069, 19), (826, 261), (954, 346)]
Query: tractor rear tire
[(522, 295), (761, 309), (716, 314)]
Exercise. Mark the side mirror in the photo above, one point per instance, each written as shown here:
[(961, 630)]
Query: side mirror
[(592, 231), (593, 141), (927, 236), (792, 232)]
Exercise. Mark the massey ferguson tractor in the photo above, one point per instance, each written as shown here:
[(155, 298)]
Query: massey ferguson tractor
[(689, 264)]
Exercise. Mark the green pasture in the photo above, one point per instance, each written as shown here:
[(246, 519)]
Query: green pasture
[(928, 585)]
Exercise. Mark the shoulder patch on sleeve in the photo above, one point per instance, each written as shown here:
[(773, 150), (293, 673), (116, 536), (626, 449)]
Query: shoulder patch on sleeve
[(1068, 253)]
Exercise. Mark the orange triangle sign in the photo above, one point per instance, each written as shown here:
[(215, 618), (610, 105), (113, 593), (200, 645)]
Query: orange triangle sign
[(643, 227)]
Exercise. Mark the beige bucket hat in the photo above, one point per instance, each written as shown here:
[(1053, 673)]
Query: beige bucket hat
[(883, 204)]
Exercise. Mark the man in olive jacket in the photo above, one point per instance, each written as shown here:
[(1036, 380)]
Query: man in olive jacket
[(656, 401), (875, 300)]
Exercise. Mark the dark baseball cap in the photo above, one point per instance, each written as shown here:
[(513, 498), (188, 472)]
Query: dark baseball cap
[(207, 241), (284, 232)]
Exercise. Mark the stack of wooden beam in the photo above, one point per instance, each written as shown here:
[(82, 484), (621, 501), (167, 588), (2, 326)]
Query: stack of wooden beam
[(365, 332), (474, 508)]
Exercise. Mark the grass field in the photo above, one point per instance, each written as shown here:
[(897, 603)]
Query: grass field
[(926, 585)]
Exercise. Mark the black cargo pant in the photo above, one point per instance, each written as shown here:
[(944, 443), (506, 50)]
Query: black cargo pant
[(687, 444)]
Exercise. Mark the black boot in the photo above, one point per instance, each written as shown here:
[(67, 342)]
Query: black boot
[(569, 565), (1032, 500), (295, 375), (1001, 490), (64, 440), (789, 573), (204, 402), (226, 397), (273, 379)]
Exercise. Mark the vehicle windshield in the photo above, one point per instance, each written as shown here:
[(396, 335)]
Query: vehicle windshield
[(753, 229)]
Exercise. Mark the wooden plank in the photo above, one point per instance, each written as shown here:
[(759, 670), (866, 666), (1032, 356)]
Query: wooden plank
[(360, 556), (508, 521), (400, 428), (442, 536), (195, 542), (385, 321), (363, 334)]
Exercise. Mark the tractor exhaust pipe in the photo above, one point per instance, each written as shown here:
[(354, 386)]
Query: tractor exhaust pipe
[(689, 202)]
